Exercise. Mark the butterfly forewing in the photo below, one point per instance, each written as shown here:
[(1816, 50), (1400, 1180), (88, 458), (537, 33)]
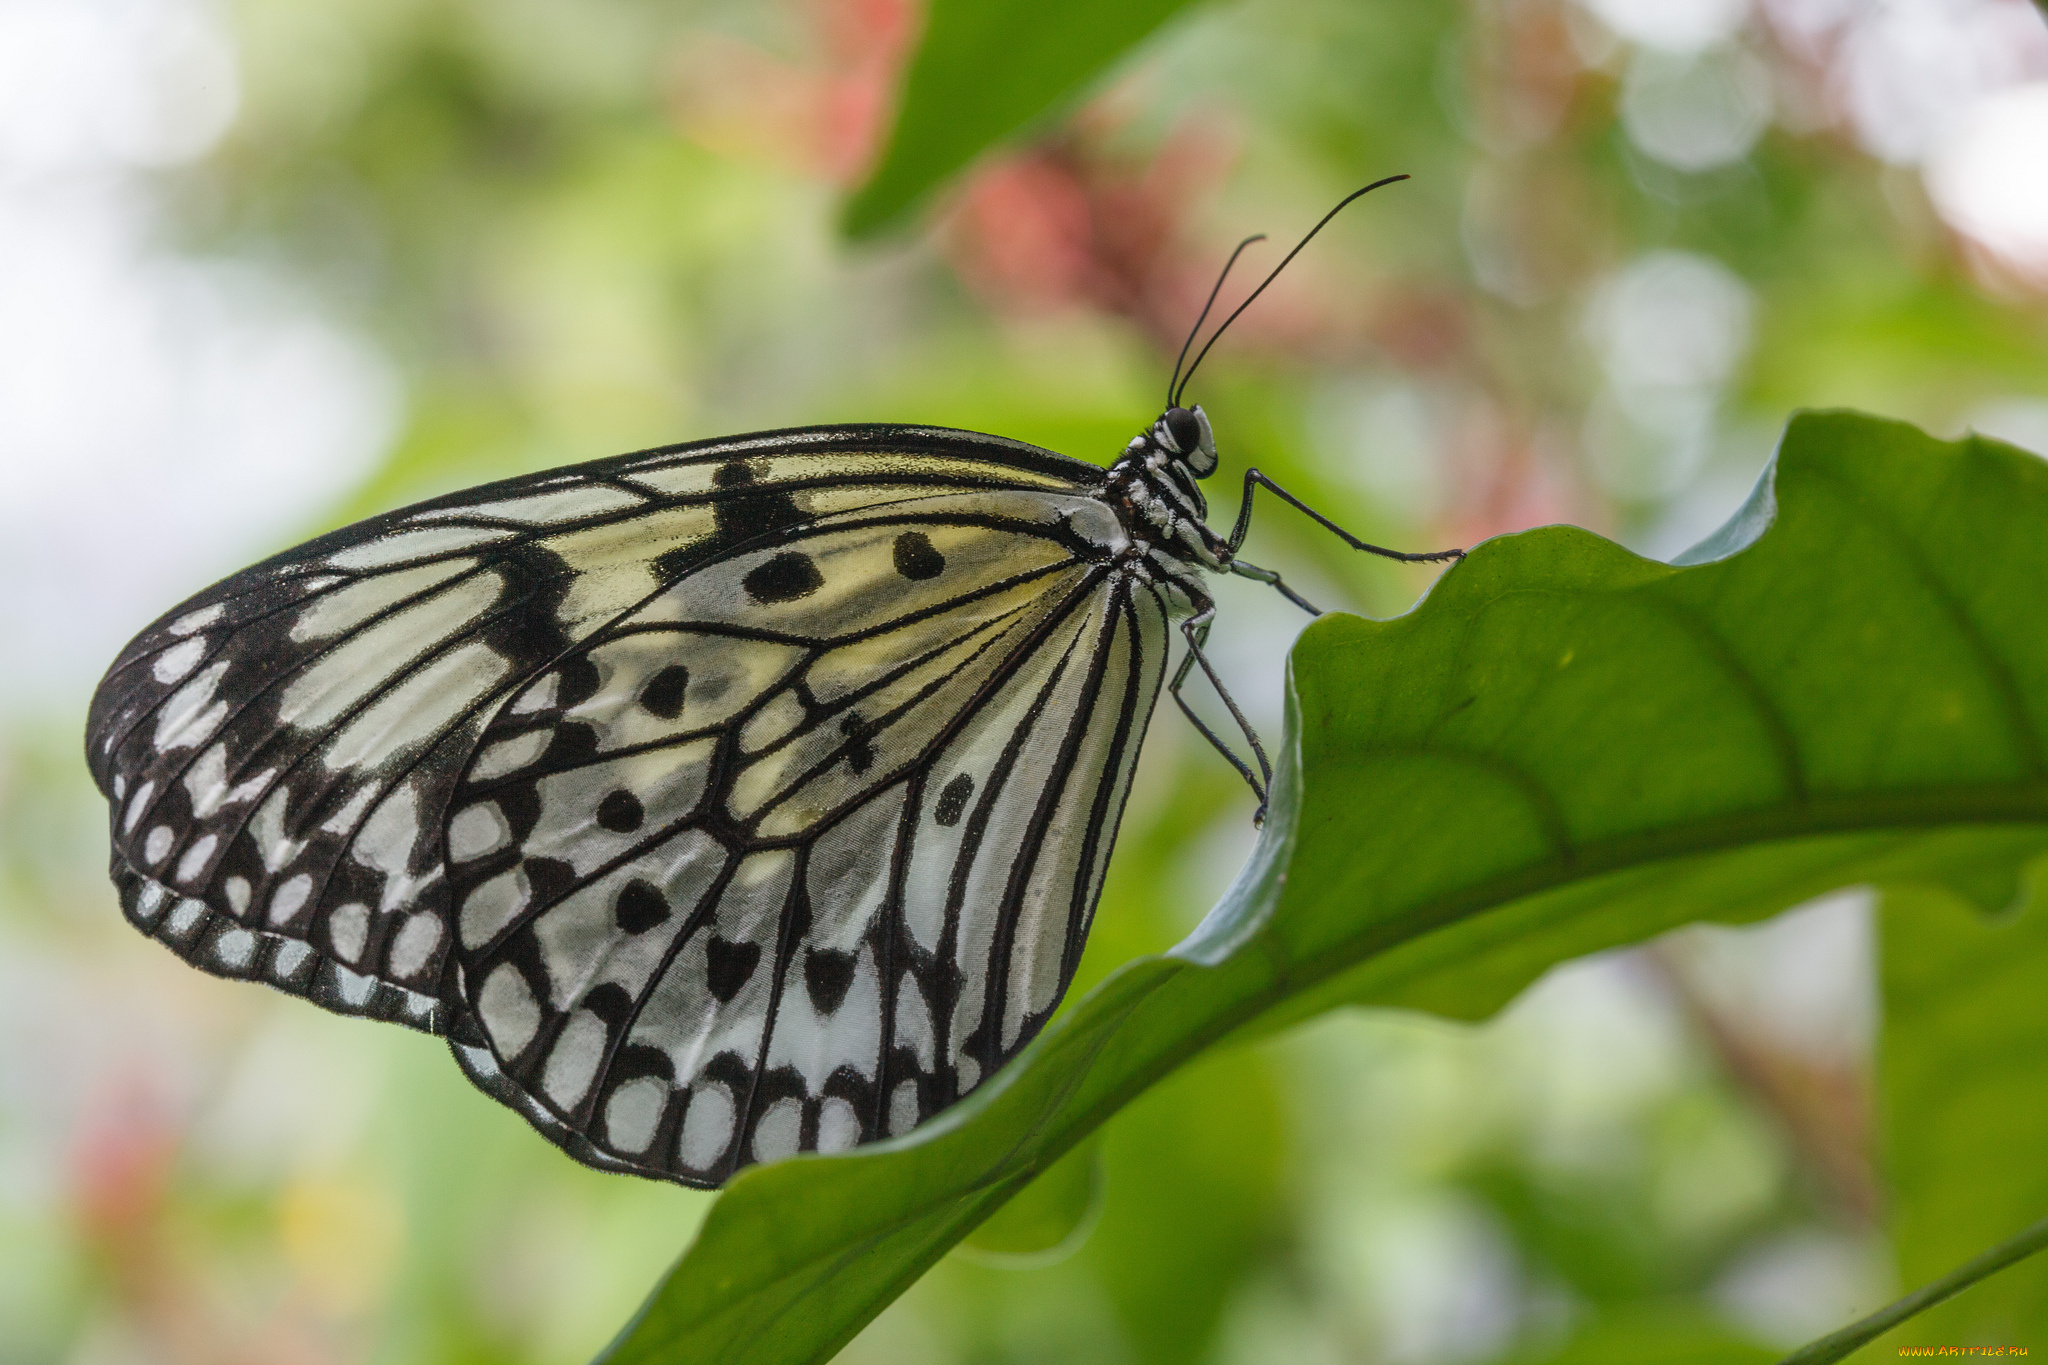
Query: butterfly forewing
[(719, 802)]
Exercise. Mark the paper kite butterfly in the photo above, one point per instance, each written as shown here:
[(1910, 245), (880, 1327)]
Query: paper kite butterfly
[(718, 802)]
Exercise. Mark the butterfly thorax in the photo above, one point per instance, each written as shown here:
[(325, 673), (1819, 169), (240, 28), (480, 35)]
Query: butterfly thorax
[(1153, 487)]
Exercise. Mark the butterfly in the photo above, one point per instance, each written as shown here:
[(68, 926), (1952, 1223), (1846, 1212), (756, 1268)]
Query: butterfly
[(716, 802)]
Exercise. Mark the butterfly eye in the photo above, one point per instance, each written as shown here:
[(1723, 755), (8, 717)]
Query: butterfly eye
[(1184, 429)]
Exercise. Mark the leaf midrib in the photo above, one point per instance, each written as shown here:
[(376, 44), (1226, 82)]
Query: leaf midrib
[(1862, 813)]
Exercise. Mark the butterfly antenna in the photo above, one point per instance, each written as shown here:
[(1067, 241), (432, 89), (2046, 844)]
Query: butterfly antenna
[(1173, 396), (1195, 330)]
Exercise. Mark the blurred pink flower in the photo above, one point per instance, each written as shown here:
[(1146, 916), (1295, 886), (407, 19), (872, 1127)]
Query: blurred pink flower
[(824, 117)]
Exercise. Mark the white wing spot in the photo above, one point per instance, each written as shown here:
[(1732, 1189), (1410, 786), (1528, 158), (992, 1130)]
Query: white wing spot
[(632, 1112), (819, 1045), (419, 707), (349, 927), (237, 891), (334, 613), (207, 781), (290, 898), (235, 947), (477, 830), (510, 755), (778, 1131), (403, 545), (914, 1023), (151, 899), (573, 1062), (386, 660), (538, 696), (413, 946), (903, 1107), (290, 956), (355, 987), (136, 805), (267, 824), (707, 1128), (552, 507), (856, 1030), (194, 861), (510, 1014), (802, 1039), (157, 846), (344, 820), (196, 620), (186, 720), (180, 659), (777, 720), (183, 916), (838, 1125), (491, 906), (388, 836)]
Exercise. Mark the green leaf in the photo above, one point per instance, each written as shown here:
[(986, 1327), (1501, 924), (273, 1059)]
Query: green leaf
[(1963, 1139), (986, 69), (1564, 747), (1050, 1218)]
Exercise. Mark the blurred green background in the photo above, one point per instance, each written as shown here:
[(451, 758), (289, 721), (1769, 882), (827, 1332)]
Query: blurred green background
[(270, 265)]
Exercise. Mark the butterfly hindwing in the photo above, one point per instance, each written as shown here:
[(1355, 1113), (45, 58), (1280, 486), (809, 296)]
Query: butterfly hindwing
[(729, 876)]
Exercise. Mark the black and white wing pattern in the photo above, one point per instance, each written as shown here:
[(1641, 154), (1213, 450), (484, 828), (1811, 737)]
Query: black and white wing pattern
[(719, 802)]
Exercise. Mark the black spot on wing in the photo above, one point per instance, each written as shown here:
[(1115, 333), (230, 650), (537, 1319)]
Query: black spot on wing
[(620, 812), (916, 557), (550, 878), (640, 906), (580, 681), (753, 513), (663, 695), (827, 974), (610, 1002), (860, 751), (670, 565), (727, 967), (572, 745), (784, 578), (953, 799)]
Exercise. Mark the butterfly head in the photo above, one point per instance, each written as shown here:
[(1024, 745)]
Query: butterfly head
[(1185, 433)]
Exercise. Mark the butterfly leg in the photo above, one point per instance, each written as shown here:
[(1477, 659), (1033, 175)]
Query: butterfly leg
[(1271, 579), (1196, 629), (1253, 480)]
